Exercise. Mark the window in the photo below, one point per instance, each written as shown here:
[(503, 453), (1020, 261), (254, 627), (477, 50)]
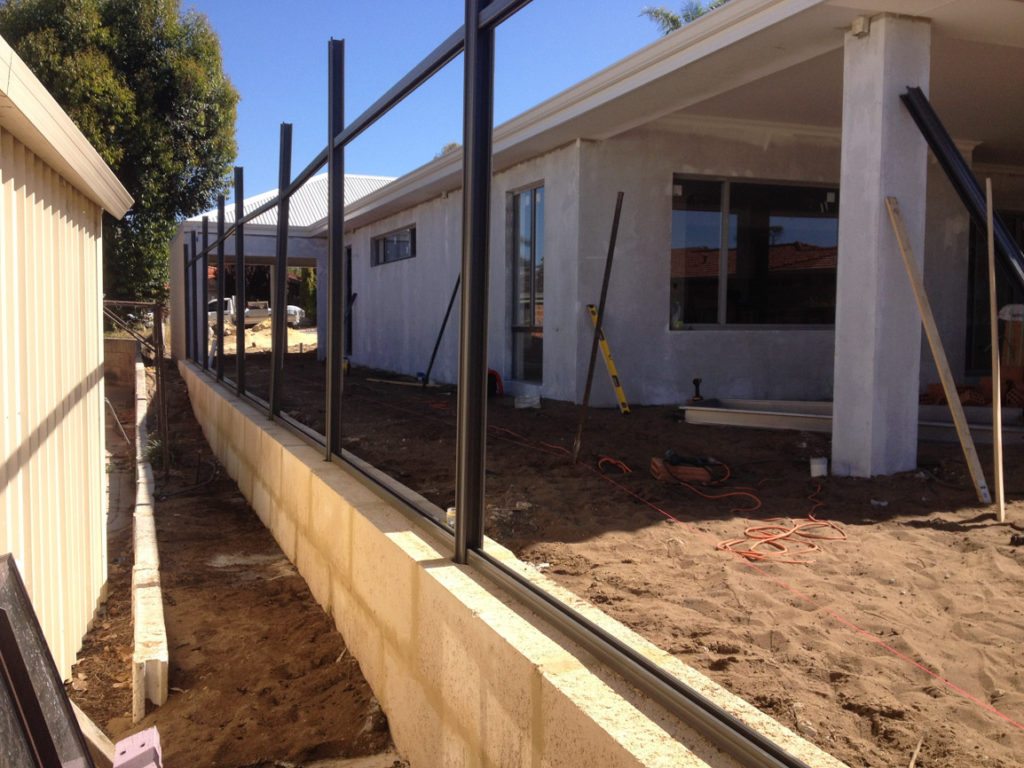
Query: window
[(776, 246), (528, 284), (394, 246), (979, 333)]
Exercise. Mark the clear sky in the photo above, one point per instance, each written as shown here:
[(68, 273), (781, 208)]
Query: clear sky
[(275, 53)]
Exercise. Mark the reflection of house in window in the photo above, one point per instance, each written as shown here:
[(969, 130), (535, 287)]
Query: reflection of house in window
[(780, 258)]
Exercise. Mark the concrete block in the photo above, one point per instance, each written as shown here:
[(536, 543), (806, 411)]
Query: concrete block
[(144, 538), (283, 528), (330, 524), (297, 464), (269, 463), (250, 446), (361, 634), (313, 567), (260, 500), (244, 477), (383, 579), (140, 750), (138, 690)]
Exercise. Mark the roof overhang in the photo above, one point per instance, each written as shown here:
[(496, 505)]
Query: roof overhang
[(32, 115), (769, 61)]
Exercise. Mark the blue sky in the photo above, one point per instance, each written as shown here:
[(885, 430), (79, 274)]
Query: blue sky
[(276, 55)]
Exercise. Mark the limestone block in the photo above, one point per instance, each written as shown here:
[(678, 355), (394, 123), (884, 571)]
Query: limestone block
[(260, 500), (269, 463), (330, 525), (244, 477), (314, 569), (296, 469), (283, 528), (144, 538), (383, 579)]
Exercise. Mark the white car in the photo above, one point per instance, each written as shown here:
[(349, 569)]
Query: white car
[(296, 315)]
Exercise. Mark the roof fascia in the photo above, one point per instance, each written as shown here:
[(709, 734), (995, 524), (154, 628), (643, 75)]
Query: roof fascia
[(728, 25)]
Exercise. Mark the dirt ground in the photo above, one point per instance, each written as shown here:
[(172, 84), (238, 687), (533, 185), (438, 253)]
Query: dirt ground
[(258, 675), (911, 629)]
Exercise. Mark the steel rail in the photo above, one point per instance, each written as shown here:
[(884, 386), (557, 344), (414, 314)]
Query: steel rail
[(495, 13), (960, 175)]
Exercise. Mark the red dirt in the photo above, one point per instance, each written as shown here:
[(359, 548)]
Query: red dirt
[(910, 629), (258, 673)]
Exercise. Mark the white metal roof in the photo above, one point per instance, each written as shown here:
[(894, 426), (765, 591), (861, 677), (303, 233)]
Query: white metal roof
[(308, 205)]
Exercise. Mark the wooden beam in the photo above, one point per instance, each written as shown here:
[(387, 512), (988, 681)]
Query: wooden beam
[(997, 384), (938, 353)]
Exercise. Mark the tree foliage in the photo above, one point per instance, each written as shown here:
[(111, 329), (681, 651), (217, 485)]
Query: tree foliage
[(669, 21), (145, 84)]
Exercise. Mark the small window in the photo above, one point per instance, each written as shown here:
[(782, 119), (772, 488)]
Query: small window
[(394, 246)]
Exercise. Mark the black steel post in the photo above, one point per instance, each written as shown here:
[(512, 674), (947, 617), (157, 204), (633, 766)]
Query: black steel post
[(279, 312), (440, 333), (240, 297), (205, 282), (335, 247), (221, 284), (194, 309), (478, 118), (598, 329), (188, 305)]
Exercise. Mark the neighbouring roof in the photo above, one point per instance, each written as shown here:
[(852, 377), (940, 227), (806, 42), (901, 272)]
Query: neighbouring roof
[(307, 207), (33, 117)]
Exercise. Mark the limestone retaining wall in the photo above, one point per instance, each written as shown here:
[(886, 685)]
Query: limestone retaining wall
[(466, 676)]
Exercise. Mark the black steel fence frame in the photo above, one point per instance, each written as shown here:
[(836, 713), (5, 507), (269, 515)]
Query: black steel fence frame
[(476, 40)]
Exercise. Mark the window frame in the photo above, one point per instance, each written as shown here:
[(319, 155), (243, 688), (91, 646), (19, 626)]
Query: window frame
[(516, 328), (725, 208), (377, 255)]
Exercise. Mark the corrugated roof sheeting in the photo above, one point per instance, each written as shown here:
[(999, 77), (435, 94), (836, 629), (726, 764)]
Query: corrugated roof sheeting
[(308, 205)]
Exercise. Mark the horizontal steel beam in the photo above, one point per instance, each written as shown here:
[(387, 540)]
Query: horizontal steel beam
[(497, 12)]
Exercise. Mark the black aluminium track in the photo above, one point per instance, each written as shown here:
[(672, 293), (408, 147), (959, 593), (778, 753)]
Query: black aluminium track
[(721, 728), (962, 178)]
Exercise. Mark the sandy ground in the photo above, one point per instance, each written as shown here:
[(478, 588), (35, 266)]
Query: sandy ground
[(259, 676), (908, 630)]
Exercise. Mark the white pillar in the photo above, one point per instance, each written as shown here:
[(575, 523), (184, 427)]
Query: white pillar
[(878, 329)]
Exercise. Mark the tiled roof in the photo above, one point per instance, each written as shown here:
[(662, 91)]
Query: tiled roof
[(308, 205)]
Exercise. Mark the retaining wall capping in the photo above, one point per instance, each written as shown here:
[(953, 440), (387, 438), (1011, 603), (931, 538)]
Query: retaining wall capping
[(465, 674), (149, 657)]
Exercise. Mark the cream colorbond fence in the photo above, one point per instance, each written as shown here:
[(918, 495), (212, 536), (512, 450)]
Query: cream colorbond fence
[(53, 190)]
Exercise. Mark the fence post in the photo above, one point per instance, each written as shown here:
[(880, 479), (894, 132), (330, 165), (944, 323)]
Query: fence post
[(279, 332), (335, 246), (240, 297), (221, 284), (205, 305), (478, 118)]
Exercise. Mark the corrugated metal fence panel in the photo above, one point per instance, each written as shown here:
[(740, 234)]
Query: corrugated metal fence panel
[(51, 394)]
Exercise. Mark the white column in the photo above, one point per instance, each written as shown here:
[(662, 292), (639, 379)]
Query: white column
[(878, 330)]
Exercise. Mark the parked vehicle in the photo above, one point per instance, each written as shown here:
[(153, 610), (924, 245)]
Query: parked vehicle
[(255, 312)]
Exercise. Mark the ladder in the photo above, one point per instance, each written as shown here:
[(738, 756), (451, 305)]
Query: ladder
[(609, 363)]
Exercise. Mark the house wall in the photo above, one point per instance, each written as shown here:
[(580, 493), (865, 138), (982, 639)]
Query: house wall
[(400, 306), (657, 364), (52, 511)]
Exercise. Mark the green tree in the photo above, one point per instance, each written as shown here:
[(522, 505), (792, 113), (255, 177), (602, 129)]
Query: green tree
[(146, 86), (669, 21)]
